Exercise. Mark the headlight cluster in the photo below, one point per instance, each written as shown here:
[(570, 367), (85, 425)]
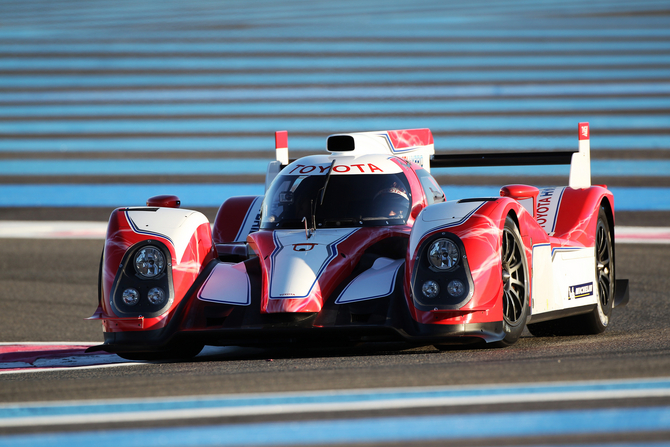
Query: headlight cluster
[(144, 286), (442, 276), (443, 255)]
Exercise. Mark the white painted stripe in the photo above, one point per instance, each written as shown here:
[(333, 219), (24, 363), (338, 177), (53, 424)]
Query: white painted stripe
[(30, 369), (642, 235), (52, 230)]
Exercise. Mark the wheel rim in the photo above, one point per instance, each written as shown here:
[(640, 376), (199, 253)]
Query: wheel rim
[(604, 271), (514, 278)]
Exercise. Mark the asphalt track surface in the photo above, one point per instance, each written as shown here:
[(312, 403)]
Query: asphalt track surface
[(48, 288)]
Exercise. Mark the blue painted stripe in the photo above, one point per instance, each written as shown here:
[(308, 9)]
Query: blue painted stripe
[(324, 47), (275, 79), (620, 168), (355, 431), (243, 144), (528, 105), (583, 64), (359, 93), (133, 167), (319, 124), (121, 195), (209, 195), (560, 390), (628, 30)]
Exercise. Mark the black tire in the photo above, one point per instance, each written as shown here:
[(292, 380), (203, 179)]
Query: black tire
[(596, 321), (100, 292), (181, 351), (515, 284)]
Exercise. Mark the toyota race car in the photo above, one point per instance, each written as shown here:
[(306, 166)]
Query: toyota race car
[(360, 244)]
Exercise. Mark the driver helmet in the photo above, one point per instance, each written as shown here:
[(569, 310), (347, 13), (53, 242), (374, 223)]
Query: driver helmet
[(392, 201)]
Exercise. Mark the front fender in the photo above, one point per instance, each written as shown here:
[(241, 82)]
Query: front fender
[(477, 224), (184, 237)]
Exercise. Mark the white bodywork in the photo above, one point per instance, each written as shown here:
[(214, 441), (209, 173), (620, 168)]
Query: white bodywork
[(227, 284), (298, 262), (174, 224), (580, 167), (376, 282), (562, 278)]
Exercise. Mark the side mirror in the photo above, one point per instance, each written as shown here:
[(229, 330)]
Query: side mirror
[(522, 194), (164, 201)]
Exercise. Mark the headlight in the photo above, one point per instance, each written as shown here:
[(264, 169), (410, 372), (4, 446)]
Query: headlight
[(156, 296), (455, 288), (430, 289), (149, 262), (130, 297), (443, 254)]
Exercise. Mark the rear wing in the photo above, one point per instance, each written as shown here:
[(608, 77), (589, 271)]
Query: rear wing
[(579, 159), (416, 145)]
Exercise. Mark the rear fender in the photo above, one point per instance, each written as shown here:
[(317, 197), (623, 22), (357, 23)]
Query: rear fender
[(578, 214)]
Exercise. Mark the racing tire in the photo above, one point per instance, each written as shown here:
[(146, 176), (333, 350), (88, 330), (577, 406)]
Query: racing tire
[(181, 351), (597, 320), (515, 300)]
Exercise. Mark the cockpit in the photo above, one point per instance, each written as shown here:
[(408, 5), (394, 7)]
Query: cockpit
[(323, 201)]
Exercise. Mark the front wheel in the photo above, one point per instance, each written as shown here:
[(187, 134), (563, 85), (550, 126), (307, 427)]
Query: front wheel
[(515, 284)]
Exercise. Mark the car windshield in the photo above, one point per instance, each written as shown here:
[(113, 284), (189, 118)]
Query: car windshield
[(348, 201)]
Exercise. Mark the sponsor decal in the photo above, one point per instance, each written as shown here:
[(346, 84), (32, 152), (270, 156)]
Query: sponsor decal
[(355, 168), (580, 291), (257, 223), (548, 201), (418, 159), (583, 131)]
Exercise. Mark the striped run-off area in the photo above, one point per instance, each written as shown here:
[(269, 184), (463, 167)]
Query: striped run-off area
[(486, 428), (103, 104)]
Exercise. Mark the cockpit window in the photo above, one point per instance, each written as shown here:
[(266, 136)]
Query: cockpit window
[(348, 201)]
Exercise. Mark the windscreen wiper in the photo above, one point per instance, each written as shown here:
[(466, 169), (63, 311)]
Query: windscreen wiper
[(325, 185)]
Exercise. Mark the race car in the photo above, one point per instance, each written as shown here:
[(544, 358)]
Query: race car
[(360, 245)]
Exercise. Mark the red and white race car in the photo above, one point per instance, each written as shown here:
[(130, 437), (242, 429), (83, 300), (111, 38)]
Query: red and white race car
[(360, 244)]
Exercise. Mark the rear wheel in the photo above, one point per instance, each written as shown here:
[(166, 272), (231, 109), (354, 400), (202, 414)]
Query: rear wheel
[(515, 284), (597, 321)]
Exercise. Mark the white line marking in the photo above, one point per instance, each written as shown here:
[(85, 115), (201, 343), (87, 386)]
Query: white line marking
[(32, 369), (19, 229), (642, 235)]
